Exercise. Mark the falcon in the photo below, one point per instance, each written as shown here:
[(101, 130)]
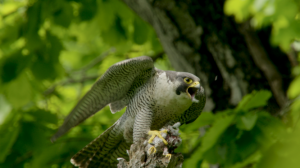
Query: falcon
[(154, 99)]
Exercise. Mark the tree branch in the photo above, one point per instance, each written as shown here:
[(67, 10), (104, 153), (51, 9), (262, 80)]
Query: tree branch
[(292, 56), (82, 71), (96, 61), (70, 81), (262, 61)]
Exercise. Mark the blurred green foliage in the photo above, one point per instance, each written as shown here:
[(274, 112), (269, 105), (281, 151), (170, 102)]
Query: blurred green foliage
[(283, 15), (51, 52)]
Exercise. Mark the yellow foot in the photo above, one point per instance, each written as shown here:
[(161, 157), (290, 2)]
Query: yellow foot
[(157, 133), (152, 150), (168, 156)]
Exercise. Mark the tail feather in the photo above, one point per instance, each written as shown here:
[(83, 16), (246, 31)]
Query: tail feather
[(121, 151), (103, 151), (110, 159)]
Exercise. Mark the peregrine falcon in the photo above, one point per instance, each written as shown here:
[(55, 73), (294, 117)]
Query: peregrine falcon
[(154, 99)]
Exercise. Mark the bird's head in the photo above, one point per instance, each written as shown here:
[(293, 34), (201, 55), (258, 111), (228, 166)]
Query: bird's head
[(188, 84)]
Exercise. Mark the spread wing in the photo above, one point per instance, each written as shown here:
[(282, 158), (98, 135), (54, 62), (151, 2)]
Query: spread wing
[(114, 85)]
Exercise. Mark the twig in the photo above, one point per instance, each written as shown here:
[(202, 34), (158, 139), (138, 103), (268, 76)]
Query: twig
[(83, 71), (96, 61), (22, 158), (292, 56), (69, 81)]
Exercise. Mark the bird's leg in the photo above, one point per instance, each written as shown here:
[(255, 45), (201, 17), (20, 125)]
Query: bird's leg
[(142, 124), (154, 133), (157, 133)]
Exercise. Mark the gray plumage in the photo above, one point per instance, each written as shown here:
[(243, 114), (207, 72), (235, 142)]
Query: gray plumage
[(154, 99)]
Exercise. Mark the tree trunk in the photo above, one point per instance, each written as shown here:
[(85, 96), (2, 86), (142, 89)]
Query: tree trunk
[(231, 59)]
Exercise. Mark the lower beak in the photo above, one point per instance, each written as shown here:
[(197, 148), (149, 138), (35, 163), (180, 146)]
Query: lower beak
[(196, 87)]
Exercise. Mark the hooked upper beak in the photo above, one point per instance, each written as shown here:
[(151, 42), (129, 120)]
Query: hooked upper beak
[(192, 90)]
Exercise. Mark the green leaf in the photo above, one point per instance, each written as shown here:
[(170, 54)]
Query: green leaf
[(238, 8), (206, 118), (213, 134), (141, 31), (5, 108), (267, 129), (116, 34), (248, 161), (247, 122), (254, 100), (295, 111), (32, 26), (53, 48), (155, 43), (9, 131), (246, 145), (88, 10), (35, 134), (294, 89), (283, 153), (19, 91), (283, 35), (120, 28), (12, 66), (43, 117), (63, 15), (44, 70), (225, 150), (107, 15)]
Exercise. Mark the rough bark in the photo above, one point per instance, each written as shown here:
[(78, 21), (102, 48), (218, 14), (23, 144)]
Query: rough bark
[(231, 60), (140, 155)]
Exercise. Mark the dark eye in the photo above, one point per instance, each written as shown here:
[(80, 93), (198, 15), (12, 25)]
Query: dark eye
[(188, 80)]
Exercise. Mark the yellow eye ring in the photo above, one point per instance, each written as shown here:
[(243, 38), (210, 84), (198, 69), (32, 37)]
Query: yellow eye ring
[(187, 80)]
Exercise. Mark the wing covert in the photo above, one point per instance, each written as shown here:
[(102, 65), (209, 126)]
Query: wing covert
[(114, 85)]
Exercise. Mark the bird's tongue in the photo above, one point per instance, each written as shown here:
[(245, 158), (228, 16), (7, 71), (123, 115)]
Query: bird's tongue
[(192, 92), (194, 100), (192, 96)]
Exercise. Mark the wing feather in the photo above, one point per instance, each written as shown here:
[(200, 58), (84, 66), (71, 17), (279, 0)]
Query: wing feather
[(116, 82)]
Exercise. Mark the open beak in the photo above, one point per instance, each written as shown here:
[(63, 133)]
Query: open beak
[(192, 91)]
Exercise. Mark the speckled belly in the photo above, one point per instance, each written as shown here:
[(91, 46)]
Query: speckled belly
[(163, 114)]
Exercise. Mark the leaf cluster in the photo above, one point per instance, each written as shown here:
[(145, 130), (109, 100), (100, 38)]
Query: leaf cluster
[(247, 136), (51, 52), (282, 15)]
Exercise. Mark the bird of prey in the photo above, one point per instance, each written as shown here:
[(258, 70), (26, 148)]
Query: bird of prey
[(154, 99)]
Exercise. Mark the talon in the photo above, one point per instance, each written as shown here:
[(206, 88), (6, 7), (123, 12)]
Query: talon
[(157, 133), (152, 150), (168, 156)]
